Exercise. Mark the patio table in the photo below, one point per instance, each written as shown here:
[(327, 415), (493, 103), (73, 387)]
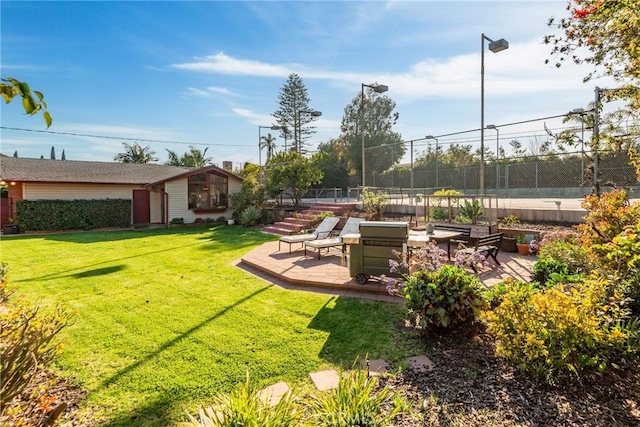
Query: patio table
[(417, 239)]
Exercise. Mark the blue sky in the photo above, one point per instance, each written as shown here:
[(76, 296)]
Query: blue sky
[(209, 73)]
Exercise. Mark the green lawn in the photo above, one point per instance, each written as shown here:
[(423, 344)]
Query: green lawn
[(163, 320)]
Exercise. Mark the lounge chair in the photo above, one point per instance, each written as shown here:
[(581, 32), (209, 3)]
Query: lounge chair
[(322, 231), (350, 227)]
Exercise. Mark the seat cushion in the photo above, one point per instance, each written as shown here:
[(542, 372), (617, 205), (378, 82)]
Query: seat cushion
[(324, 243), (298, 238)]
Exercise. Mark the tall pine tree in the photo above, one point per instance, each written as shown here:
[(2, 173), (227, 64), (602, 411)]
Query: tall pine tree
[(293, 114)]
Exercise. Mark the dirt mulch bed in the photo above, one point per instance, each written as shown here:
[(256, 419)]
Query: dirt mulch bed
[(45, 393), (472, 387)]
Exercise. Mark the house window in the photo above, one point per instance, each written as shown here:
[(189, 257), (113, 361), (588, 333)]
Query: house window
[(208, 191)]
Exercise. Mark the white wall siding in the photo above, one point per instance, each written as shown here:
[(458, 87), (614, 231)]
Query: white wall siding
[(177, 191), (58, 191), (155, 202)]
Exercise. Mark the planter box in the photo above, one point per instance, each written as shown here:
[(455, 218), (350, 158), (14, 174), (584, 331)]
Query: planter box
[(509, 244), (10, 229)]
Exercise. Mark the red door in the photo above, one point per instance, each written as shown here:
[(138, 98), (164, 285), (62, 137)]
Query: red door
[(141, 207), (5, 211)]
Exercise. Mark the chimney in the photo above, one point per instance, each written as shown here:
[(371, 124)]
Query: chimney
[(228, 166)]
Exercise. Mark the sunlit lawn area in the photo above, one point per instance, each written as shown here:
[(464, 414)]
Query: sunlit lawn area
[(164, 320)]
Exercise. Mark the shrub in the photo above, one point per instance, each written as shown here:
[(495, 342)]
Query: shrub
[(469, 212), (437, 211), (440, 299), (374, 204), (565, 247), (243, 406), (251, 194), (558, 331), (73, 214), (28, 344), (495, 295), (250, 216), (176, 221), (446, 193), (510, 220), (609, 214), (544, 268), (355, 403)]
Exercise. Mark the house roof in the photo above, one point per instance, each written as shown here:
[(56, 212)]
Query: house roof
[(211, 168), (70, 171)]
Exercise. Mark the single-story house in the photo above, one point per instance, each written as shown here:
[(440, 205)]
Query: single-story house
[(158, 193)]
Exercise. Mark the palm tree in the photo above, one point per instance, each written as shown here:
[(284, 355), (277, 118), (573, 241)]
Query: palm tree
[(174, 159), (135, 153), (268, 142), (194, 158), (197, 158)]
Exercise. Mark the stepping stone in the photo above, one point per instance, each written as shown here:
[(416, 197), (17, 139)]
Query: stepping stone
[(325, 380), (271, 395), (376, 366), (208, 416), (421, 363)]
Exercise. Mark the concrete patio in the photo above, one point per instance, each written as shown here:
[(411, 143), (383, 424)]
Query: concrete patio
[(330, 273)]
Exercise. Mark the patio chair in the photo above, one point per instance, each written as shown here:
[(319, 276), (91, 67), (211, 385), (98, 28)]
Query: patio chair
[(350, 227), (322, 231)]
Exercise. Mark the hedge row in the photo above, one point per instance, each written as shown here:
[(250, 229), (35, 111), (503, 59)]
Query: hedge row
[(73, 214)]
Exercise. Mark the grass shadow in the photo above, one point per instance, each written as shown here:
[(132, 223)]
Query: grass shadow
[(358, 328), (98, 272), (154, 412), (217, 238), (164, 346)]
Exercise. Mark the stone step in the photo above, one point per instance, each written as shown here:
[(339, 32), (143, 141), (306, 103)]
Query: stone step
[(293, 227), (303, 222), (277, 230), (335, 207), (313, 212)]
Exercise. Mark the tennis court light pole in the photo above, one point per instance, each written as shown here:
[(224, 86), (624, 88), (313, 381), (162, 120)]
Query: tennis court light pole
[(495, 46)]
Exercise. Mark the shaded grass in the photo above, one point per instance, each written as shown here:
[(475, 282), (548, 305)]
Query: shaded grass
[(164, 321)]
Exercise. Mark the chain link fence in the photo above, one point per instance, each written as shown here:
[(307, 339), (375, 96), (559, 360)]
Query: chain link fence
[(567, 175)]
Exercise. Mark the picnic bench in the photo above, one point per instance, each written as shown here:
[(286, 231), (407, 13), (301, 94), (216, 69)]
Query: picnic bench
[(463, 237), (486, 245)]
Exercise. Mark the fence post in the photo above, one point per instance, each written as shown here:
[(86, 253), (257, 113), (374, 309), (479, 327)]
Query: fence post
[(506, 179)]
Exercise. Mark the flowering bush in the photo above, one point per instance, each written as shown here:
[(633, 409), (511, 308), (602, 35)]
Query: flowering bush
[(560, 330), (465, 259), (534, 246), (565, 247), (439, 299), (29, 345)]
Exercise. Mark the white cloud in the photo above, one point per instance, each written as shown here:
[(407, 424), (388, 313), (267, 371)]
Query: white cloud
[(520, 70), (224, 64), (210, 91)]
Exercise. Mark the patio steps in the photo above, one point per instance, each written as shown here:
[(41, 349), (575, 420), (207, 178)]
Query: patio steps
[(304, 219)]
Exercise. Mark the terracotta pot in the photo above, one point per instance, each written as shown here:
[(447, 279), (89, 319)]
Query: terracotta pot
[(523, 248)]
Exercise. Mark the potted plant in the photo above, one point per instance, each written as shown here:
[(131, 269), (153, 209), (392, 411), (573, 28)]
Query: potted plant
[(509, 244), (11, 227), (522, 245)]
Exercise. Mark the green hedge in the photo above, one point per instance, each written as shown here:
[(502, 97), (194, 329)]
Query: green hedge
[(73, 214)]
